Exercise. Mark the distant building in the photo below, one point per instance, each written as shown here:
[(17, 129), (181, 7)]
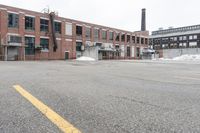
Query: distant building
[(29, 35)]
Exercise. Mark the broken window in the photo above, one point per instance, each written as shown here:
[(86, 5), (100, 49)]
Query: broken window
[(79, 30), (88, 32), (29, 23), (128, 38), (104, 34), (44, 43), (96, 34), (78, 46), (30, 45), (44, 25), (138, 40), (123, 38), (117, 37), (111, 35), (13, 20), (57, 27)]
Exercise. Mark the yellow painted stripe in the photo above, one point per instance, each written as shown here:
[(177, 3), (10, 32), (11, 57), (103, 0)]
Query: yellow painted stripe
[(61, 123)]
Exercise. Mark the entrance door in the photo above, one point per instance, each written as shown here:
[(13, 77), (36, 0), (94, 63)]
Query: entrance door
[(138, 52), (12, 53), (66, 55)]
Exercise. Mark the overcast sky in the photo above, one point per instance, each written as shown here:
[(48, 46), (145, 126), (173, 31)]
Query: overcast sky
[(123, 14)]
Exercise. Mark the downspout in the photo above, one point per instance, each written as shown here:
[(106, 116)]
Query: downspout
[(52, 17)]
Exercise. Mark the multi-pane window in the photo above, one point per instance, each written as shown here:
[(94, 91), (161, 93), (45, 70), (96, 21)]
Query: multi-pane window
[(96, 34), (142, 40), (13, 20), (182, 45), (79, 30), (15, 39), (30, 45), (138, 40), (117, 36), (128, 38), (146, 41), (123, 37), (128, 51), (44, 43), (78, 46), (44, 25), (88, 32), (104, 34), (68, 29), (57, 27), (29, 23), (193, 37), (111, 35), (133, 38)]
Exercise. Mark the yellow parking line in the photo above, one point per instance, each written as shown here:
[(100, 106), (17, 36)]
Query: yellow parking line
[(61, 123)]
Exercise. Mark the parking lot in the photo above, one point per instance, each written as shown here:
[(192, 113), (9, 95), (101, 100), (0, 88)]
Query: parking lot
[(102, 97)]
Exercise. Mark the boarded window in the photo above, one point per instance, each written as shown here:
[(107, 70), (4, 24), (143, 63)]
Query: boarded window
[(68, 29)]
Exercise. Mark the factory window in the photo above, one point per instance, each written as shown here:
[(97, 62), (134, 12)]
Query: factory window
[(68, 29), (96, 34), (44, 43), (13, 20), (165, 46), (79, 30), (78, 46), (146, 41), (128, 51), (128, 38), (15, 39), (117, 37), (190, 37), (104, 34), (138, 40), (192, 44), (88, 32), (180, 38), (111, 35), (173, 45), (57, 27), (133, 38), (184, 37), (123, 38), (182, 45), (175, 38), (29, 23), (142, 40), (44, 25), (30, 45)]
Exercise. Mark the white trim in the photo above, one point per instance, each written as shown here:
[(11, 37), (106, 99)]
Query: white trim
[(87, 26), (3, 9), (13, 12), (68, 23), (13, 34), (116, 44), (58, 39), (96, 28), (79, 25), (22, 12), (45, 37), (44, 18), (79, 41), (26, 15), (58, 21), (70, 40), (29, 35), (67, 51), (104, 29)]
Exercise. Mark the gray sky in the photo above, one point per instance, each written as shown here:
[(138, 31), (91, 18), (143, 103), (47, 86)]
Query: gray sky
[(123, 14)]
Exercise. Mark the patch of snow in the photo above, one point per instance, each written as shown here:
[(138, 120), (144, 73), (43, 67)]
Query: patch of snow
[(84, 58), (188, 58)]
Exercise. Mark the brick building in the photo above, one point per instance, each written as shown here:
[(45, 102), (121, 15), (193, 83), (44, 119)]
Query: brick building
[(29, 35)]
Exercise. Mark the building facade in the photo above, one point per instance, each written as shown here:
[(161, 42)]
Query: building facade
[(176, 39), (29, 35)]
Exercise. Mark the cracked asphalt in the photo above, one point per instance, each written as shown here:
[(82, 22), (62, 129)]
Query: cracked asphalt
[(102, 97)]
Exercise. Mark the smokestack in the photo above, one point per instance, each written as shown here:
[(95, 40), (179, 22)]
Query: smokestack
[(143, 23)]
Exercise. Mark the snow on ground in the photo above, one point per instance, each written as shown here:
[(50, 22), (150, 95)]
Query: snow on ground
[(84, 58), (184, 58)]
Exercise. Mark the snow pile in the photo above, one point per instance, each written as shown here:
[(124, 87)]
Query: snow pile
[(84, 58), (187, 58)]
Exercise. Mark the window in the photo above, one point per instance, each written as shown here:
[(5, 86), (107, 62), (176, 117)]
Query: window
[(57, 27), (195, 37), (133, 38), (29, 23), (142, 40), (111, 35), (182, 45), (146, 41), (44, 25), (79, 30), (123, 37), (68, 29), (192, 44), (117, 36), (30, 45), (96, 34), (88, 32), (104, 34), (184, 37), (13, 20), (15, 39), (128, 38), (44, 44), (78, 46), (138, 40), (128, 51)]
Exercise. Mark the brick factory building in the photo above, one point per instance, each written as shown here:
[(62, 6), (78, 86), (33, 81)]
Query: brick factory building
[(29, 35)]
